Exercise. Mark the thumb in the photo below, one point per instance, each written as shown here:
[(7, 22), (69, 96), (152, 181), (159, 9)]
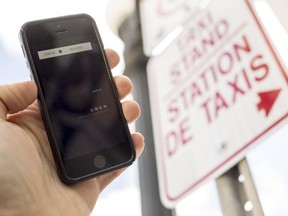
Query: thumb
[(16, 97)]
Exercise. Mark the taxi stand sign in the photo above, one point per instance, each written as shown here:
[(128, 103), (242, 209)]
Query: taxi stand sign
[(214, 92)]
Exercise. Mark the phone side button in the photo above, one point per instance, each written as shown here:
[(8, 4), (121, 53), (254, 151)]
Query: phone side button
[(99, 161)]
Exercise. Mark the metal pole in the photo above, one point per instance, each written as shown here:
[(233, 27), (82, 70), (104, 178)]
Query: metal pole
[(136, 62), (237, 192)]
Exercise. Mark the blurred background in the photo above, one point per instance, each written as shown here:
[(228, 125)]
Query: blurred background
[(268, 159)]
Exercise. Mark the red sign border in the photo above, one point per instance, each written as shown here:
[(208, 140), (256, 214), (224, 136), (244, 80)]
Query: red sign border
[(197, 183)]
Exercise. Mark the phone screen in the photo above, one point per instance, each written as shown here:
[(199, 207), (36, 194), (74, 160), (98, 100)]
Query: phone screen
[(80, 100)]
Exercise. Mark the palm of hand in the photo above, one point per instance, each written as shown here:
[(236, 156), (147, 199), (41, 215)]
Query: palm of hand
[(29, 173)]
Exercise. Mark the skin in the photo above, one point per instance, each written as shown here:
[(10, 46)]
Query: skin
[(29, 184)]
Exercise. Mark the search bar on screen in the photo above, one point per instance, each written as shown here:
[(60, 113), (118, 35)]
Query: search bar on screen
[(65, 50)]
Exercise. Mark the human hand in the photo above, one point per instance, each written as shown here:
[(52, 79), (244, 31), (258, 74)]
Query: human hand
[(29, 184)]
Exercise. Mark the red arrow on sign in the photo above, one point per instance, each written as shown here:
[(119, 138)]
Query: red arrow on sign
[(267, 100)]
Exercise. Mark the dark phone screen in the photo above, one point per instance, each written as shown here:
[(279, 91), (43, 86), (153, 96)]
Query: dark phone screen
[(78, 94)]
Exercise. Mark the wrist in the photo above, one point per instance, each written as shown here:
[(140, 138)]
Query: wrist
[(18, 202), (45, 209)]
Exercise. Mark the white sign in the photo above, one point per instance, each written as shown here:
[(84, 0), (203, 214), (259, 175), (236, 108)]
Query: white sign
[(160, 17), (214, 92)]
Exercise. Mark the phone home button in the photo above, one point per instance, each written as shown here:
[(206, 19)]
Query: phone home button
[(99, 161)]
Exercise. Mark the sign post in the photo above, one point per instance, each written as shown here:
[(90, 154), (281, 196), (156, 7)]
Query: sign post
[(237, 192), (218, 89)]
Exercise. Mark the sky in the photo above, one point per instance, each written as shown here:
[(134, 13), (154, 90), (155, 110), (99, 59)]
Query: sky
[(268, 160)]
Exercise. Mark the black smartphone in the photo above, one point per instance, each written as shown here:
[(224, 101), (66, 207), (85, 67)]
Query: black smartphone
[(77, 96)]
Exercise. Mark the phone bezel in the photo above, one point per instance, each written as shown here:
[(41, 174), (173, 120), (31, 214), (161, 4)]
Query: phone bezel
[(73, 171)]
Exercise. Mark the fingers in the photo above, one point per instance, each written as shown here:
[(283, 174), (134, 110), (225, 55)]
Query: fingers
[(130, 108), (131, 111), (124, 86), (16, 97), (138, 142), (113, 58)]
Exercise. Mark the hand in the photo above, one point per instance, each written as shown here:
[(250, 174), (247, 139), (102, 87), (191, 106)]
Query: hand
[(29, 184)]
